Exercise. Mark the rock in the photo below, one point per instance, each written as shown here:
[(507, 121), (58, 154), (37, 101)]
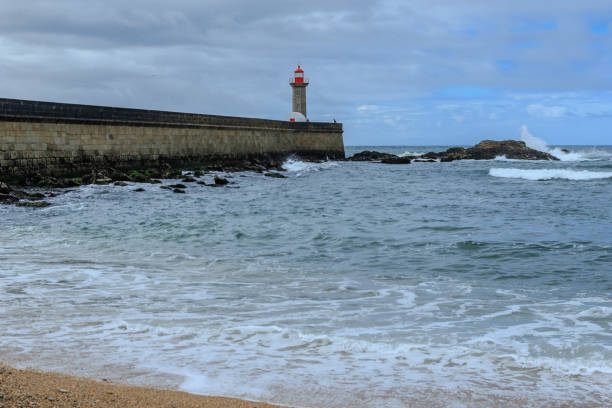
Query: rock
[(63, 391), (118, 176), (35, 196), (8, 199), (73, 182), (103, 181), (4, 188), (47, 182), (189, 179), (153, 173), (177, 186), (155, 181), (431, 156), (512, 149), (198, 173), (201, 183), (274, 174), (138, 177), (120, 184), (166, 187), (220, 181), (178, 190), (425, 161), (454, 153), (368, 155), (566, 151), (35, 204), (139, 190), (396, 160)]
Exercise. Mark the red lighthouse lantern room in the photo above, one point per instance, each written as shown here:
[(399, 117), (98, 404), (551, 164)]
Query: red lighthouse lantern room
[(299, 75)]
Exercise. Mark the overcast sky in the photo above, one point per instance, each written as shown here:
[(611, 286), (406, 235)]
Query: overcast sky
[(394, 72)]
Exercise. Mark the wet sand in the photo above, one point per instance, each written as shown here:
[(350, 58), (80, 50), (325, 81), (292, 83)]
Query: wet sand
[(29, 388)]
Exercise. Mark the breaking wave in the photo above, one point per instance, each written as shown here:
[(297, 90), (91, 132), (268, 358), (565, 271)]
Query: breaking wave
[(295, 165), (562, 154), (548, 174)]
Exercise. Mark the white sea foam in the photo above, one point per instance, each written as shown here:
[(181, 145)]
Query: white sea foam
[(549, 174), (295, 165), (504, 158), (541, 145), (409, 153)]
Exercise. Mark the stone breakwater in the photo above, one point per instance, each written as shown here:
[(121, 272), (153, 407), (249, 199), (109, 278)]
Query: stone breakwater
[(45, 139), (485, 150)]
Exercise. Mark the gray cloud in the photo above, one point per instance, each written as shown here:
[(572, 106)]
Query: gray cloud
[(235, 57)]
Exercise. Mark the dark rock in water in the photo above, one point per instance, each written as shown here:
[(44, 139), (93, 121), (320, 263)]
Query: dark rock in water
[(4, 188), (155, 181), (489, 150), (138, 177), (177, 186), (178, 191), (120, 184), (165, 187), (116, 175), (512, 149), (73, 182), (274, 174), (566, 151), (36, 204), (139, 190), (454, 153), (431, 155), (35, 196), (425, 161), (153, 173), (220, 181), (103, 181), (198, 173), (8, 199), (396, 160), (201, 183), (188, 179), (368, 155)]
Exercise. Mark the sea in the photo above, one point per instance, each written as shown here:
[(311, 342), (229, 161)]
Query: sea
[(346, 284)]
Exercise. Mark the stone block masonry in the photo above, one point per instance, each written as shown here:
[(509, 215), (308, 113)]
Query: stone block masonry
[(57, 139)]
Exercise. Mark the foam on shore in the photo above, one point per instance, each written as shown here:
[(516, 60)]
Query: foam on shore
[(548, 174)]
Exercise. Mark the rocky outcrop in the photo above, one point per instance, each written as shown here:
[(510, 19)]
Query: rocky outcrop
[(368, 155), (490, 149), (512, 149), (274, 174), (485, 150), (397, 160)]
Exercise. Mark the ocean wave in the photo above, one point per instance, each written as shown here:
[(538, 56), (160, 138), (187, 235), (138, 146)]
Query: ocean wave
[(562, 154), (409, 153), (548, 174), (295, 165)]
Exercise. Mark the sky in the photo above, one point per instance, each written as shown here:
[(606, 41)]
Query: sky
[(394, 72)]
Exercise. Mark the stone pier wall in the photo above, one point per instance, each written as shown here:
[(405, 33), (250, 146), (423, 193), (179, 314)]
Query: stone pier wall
[(63, 139)]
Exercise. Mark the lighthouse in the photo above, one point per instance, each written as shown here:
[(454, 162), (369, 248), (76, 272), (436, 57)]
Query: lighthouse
[(299, 84)]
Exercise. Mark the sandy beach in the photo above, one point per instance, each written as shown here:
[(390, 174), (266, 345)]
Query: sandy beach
[(28, 388)]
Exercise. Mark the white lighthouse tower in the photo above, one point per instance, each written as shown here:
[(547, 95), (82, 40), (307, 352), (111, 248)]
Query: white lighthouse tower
[(299, 84)]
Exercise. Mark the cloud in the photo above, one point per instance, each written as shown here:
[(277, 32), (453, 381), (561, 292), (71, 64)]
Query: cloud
[(368, 108), (234, 57), (547, 111)]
